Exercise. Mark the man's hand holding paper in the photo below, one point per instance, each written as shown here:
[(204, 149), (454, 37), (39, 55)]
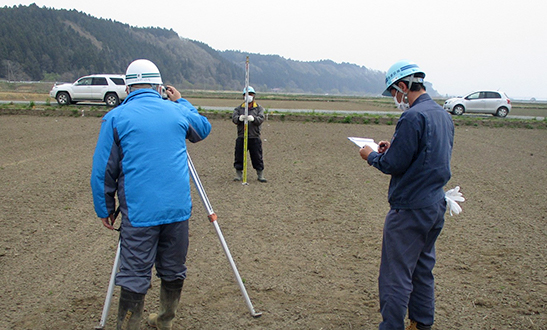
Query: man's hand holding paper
[(362, 142), (368, 145)]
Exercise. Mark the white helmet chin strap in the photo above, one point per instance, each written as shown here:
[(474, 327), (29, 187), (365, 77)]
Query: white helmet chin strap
[(410, 81), (398, 89), (405, 96)]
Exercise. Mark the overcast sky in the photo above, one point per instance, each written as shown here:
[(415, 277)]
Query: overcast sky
[(462, 45)]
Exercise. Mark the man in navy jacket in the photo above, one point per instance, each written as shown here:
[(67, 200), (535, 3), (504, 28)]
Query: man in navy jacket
[(418, 160), (141, 156)]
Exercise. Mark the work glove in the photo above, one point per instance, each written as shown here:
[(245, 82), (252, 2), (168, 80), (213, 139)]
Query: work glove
[(452, 197), (250, 118), (241, 117)]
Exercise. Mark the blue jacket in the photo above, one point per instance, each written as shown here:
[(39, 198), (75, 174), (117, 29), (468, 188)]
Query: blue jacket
[(418, 159), (141, 154)]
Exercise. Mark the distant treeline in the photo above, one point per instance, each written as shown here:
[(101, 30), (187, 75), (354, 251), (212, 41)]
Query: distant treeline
[(273, 71), (61, 45)]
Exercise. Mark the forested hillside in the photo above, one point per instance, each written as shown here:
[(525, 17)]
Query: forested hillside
[(317, 77), (40, 43), (43, 44)]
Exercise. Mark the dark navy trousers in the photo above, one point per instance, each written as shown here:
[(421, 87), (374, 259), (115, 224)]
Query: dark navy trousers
[(164, 246), (254, 145), (408, 256)]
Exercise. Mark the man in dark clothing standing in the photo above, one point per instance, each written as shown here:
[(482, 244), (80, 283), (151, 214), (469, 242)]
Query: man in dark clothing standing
[(254, 144), (418, 160)]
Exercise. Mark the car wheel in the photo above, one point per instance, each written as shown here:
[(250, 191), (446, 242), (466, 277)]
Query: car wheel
[(502, 112), (458, 110), (111, 100), (63, 98)]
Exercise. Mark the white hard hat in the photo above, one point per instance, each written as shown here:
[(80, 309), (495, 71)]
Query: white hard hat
[(142, 72)]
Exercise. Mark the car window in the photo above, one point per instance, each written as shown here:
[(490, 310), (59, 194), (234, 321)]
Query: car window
[(118, 81), (473, 96), (100, 81), (493, 95), (84, 81)]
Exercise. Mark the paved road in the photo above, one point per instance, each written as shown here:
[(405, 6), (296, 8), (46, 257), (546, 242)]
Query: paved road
[(271, 110)]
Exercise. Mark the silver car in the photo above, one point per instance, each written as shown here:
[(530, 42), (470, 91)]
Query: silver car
[(108, 88), (492, 102)]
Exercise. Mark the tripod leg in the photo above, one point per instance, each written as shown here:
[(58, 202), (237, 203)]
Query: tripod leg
[(110, 291), (213, 217)]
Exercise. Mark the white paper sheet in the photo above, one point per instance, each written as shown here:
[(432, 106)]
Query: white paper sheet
[(361, 142)]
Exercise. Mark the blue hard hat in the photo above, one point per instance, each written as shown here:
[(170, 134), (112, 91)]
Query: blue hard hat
[(401, 70), (250, 90)]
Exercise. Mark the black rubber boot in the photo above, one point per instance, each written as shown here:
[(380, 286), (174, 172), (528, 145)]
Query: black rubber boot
[(261, 177), (169, 301), (130, 310), (421, 326), (418, 326)]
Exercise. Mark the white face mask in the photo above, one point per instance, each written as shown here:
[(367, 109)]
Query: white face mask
[(401, 105), (249, 98)]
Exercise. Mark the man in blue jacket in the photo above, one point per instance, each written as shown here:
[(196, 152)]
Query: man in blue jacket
[(418, 160), (141, 156)]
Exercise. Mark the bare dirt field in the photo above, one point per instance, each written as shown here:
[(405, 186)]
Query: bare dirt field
[(307, 243)]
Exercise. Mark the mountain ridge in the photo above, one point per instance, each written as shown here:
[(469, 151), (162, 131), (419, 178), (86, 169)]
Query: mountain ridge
[(44, 44)]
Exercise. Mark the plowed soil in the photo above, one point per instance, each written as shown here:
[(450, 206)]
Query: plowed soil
[(307, 243)]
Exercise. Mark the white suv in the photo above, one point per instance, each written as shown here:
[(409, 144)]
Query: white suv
[(108, 88), (493, 102)]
